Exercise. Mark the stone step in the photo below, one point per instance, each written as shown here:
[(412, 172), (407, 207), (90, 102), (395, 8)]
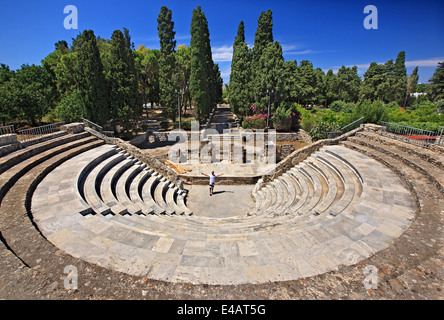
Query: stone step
[(430, 156), (122, 188), (135, 190), (13, 158), (306, 187), (159, 196), (11, 175), (428, 165), (148, 194), (107, 190), (351, 184), (332, 185), (319, 191), (182, 204), (170, 197), (93, 181)]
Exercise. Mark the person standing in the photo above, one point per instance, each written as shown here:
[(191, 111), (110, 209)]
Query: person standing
[(212, 180)]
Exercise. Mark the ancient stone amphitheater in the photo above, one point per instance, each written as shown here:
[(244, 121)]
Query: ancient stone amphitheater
[(328, 212)]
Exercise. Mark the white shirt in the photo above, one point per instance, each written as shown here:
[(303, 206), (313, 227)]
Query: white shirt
[(212, 178)]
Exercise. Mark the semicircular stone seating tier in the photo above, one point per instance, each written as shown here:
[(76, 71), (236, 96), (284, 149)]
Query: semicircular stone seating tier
[(336, 208)]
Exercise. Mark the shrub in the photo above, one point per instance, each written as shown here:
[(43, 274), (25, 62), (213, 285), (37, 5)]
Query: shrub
[(258, 121), (71, 108), (337, 106), (321, 129), (282, 117)]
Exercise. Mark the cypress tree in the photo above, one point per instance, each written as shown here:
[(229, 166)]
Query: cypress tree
[(411, 85), (400, 78), (240, 77), (125, 99), (168, 97), (437, 83), (263, 37), (269, 76), (204, 83), (92, 83)]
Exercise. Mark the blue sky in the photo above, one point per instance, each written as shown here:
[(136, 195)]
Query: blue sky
[(328, 33)]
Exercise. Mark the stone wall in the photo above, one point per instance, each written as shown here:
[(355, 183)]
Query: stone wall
[(74, 127), (9, 143)]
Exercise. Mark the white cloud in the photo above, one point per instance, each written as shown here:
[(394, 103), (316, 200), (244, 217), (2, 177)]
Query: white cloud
[(299, 52), (432, 62), (223, 53)]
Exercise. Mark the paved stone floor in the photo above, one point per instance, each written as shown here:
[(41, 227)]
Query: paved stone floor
[(230, 250), (226, 201)]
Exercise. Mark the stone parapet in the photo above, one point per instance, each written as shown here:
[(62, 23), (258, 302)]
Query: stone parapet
[(74, 127)]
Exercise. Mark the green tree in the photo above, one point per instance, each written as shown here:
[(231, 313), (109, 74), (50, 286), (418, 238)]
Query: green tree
[(240, 97), (183, 71), (203, 77), (348, 83), (167, 85), (311, 81), (71, 108), (269, 76), (122, 78), (91, 80), (330, 92), (8, 112), (411, 86), (147, 62), (30, 92), (263, 37), (292, 81), (437, 83)]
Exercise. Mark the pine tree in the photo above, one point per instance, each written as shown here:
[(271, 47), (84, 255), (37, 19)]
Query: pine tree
[(330, 88), (91, 82), (348, 83), (167, 85)]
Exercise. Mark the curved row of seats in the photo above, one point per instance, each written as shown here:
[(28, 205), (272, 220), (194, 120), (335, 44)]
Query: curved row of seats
[(234, 250), (62, 229), (116, 183), (323, 183)]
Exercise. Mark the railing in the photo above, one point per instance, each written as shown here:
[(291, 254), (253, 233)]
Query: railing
[(416, 136), (7, 130), (109, 133), (440, 140), (97, 128), (347, 128), (34, 135), (92, 125)]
